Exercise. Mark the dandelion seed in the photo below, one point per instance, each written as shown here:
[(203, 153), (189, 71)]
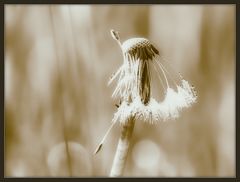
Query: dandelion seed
[(134, 85)]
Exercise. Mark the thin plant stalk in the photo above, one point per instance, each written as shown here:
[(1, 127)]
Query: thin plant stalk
[(122, 149)]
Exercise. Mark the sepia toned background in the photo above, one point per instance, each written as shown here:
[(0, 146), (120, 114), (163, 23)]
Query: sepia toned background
[(58, 59)]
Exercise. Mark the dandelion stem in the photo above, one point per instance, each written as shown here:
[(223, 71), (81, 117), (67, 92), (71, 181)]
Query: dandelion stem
[(122, 149)]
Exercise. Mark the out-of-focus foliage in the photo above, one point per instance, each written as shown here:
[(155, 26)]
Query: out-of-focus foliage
[(58, 60)]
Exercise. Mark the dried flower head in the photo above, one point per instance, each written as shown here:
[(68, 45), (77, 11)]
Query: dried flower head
[(134, 84)]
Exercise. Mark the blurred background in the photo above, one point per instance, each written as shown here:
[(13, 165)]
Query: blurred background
[(58, 60)]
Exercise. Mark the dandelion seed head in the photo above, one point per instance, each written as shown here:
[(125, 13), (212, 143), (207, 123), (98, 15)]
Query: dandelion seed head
[(134, 86)]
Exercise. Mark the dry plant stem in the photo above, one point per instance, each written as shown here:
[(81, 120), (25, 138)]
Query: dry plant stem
[(122, 149)]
